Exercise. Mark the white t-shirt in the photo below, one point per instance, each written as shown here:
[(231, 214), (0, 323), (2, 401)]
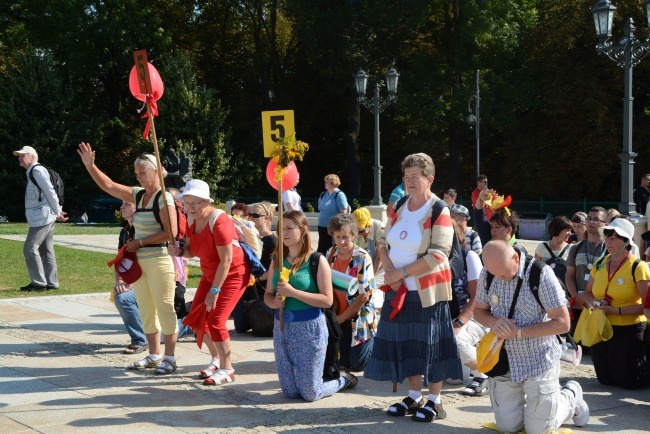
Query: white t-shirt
[(474, 265), (405, 238), (291, 200)]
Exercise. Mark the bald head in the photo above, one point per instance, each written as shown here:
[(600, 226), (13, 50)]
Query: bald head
[(500, 259)]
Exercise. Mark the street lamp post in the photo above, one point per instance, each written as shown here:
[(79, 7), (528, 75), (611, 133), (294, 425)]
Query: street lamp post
[(376, 105), (476, 119), (627, 54)]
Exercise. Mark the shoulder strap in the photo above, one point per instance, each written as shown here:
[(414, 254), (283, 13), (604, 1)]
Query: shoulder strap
[(564, 250), (636, 264), (490, 278), (314, 262), (213, 218), (436, 209), (545, 244), (400, 202), (31, 177), (156, 207), (599, 262)]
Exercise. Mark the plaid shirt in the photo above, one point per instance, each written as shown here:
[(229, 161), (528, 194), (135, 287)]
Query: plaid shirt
[(528, 357)]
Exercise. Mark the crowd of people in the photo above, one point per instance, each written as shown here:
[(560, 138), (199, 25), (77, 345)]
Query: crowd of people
[(415, 315)]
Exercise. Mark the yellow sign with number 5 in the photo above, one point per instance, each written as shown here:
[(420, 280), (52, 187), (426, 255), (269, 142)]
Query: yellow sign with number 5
[(276, 125)]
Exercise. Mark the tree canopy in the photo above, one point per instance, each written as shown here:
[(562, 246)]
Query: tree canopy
[(551, 111)]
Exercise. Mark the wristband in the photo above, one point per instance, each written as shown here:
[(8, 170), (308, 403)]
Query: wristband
[(519, 336), (404, 272), (140, 239), (215, 291)]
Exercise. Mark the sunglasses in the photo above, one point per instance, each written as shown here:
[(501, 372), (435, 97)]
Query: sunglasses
[(256, 215), (609, 233)]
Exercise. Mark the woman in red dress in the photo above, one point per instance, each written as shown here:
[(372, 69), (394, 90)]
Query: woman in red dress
[(211, 236)]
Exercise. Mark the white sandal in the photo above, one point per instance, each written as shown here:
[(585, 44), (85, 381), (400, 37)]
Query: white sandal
[(210, 370), (222, 376)]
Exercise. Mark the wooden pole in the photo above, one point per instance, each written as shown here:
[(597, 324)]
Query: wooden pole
[(281, 243), (170, 231)]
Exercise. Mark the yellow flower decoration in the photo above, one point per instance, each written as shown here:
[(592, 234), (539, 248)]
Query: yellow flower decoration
[(284, 277), (289, 149)]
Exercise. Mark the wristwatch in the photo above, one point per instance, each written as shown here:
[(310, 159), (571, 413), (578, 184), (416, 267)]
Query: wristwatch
[(404, 272), (215, 290), (459, 322)]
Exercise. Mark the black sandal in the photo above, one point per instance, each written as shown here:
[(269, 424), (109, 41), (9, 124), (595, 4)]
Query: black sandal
[(429, 412), (135, 349), (407, 406)]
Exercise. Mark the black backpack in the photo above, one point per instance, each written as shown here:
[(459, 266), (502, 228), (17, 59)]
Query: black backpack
[(558, 264), (456, 257), (533, 284), (460, 286), (332, 354), (55, 179)]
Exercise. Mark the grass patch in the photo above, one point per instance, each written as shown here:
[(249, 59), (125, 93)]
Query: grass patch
[(63, 229), (80, 271)]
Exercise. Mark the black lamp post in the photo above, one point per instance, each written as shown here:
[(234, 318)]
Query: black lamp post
[(627, 54), (376, 105), (476, 119)]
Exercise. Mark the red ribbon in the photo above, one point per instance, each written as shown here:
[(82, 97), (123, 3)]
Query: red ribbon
[(153, 108), (398, 302), (118, 258)]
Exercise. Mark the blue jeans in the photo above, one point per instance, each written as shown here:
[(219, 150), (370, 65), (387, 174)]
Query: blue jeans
[(127, 306)]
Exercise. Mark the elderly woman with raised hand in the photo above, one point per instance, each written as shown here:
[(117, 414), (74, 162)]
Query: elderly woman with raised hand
[(415, 338), (211, 236), (330, 202), (356, 316), (618, 286), (301, 345), (154, 291)]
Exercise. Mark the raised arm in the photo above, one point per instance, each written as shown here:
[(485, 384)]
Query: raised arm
[(119, 191)]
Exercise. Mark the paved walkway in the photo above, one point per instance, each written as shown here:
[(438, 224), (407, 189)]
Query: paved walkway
[(61, 370)]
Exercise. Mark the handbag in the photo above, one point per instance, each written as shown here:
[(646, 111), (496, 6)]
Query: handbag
[(260, 317), (501, 366)]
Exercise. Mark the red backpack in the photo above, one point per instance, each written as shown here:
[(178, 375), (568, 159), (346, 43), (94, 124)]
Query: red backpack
[(181, 215)]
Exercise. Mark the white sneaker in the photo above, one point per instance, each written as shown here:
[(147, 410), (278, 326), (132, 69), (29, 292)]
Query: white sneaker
[(581, 415)]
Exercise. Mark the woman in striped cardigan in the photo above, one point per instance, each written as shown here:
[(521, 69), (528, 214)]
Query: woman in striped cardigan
[(415, 338)]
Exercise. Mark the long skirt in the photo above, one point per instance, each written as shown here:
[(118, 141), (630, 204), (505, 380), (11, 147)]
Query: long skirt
[(418, 341)]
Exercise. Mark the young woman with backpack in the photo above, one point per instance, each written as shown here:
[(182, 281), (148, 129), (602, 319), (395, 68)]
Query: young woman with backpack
[(300, 347)]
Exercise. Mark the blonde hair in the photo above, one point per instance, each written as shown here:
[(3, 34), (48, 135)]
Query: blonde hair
[(299, 218), (267, 207), (421, 160), (151, 159), (333, 179)]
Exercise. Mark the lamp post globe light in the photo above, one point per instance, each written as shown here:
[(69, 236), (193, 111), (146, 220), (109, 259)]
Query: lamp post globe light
[(473, 119), (376, 105), (627, 54)]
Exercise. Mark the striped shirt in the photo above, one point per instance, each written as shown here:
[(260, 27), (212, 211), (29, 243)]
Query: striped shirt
[(528, 357), (434, 285), (145, 224)]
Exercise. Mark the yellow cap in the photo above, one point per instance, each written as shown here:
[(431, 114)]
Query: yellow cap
[(362, 216)]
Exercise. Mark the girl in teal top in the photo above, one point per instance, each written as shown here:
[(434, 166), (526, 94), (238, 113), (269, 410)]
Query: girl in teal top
[(301, 345)]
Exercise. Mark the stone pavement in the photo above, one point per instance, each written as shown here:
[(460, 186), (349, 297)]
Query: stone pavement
[(61, 369)]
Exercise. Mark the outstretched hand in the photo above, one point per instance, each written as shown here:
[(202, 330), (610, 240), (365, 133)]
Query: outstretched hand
[(86, 153)]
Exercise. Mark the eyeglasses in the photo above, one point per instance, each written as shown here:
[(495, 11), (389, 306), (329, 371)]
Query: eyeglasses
[(256, 215), (361, 231), (193, 204), (594, 220), (150, 158)]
